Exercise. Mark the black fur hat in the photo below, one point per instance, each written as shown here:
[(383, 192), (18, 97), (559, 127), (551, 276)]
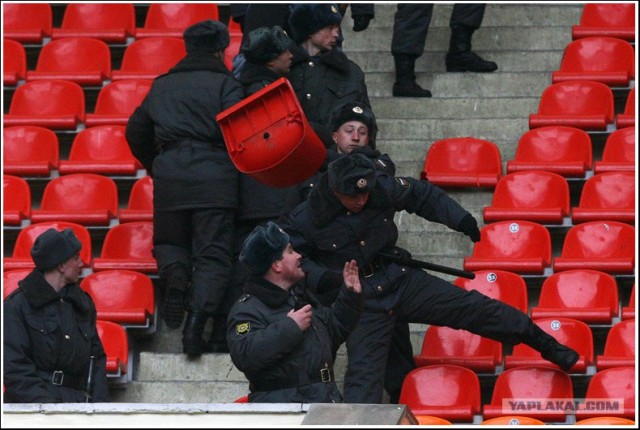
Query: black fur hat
[(54, 247), (264, 44), (309, 18), (262, 247), (355, 111), (352, 174), (207, 36)]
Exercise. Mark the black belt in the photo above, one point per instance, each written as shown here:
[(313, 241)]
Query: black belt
[(369, 269), (323, 375), (60, 378)]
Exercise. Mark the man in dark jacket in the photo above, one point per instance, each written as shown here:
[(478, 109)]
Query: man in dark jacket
[(279, 335), (175, 135), (350, 214), (49, 325)]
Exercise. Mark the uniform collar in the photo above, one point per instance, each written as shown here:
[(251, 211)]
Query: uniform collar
[(39, 293)]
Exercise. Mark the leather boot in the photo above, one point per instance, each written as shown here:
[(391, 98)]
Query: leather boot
[(192, 342), (406, 85), (177, 281), (218, 339), (460, 58), (550, 348)]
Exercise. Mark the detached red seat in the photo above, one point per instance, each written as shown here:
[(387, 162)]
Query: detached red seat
[(148, 58), (620, 346), (463, 162), (573, 333), (117, 101), (559, 149), (446, 391), (128, 247), (21, 257), (27, 23), (607, 196), (30, 151), (110, 22), (54, 104), (522, 247), (171, 19), (140, 206), (607, 246), (101, 150), (619, 152), (10, 279), (586, 105), (508, 287), (628, 117), (16, 200), (116, 346), (616, 387), (629, 312), (14, 67), (587, 295), (606, 19)]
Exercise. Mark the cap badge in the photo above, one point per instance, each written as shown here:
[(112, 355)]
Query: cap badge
[(333, 9), (357, 109), (362, 183)]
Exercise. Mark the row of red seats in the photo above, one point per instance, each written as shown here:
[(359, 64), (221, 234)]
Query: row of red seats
[(453, 393)]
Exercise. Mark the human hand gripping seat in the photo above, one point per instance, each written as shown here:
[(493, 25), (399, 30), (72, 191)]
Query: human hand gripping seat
[(269, 138), (619, 152), (140, 206), (615, 387), (16, 200), (446, 391), (148, 58), (30, 150), (10, 279), (27, 23), (606, 19), (83, 198), (14, 66), (523, 247), (620, 346), (463, 162), (559, 149), (110, 22), (587, 295), (608, 246), (608, 196), (21, 256), (116, 347), (586, 105), (171, 19), (54, 104), (117, 101), (568, 331), (628, 117), (127, 246)]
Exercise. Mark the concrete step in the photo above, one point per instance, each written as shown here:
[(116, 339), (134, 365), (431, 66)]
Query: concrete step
[(458, 107)]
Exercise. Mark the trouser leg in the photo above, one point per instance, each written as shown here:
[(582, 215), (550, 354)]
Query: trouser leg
[(465, 20), (399, 362)]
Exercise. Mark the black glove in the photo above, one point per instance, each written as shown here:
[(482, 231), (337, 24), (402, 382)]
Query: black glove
[(330, 281), (401, 255), (361, 22), (469, 226)]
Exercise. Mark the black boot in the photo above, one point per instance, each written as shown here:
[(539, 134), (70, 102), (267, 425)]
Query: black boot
[(550, 348), (177, 281), (460, 58), (192, 342), (218, 339), (406, 85)]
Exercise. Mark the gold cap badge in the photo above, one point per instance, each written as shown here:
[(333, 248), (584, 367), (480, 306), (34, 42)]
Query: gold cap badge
[(362, 183), (357, 109)]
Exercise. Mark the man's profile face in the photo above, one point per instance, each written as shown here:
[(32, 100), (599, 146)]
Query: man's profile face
[(281, 64), (326, 38), (351, 135), (355, 203), (72, 268), (291, 265)]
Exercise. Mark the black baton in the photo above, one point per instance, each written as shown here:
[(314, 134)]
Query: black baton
[(431, 266), (89, 386)]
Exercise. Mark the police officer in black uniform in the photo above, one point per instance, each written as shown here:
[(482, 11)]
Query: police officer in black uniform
[(279, 335), (350, 214)]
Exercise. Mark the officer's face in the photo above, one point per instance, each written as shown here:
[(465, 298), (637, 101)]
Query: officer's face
[(71, 269), (355, 203), (326, 39), (351, 135), (281, 64), (291, 265)]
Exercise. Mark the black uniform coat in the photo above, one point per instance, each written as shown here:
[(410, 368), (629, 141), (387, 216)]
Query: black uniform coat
[(281, 362), (45, 331), (175, 135)]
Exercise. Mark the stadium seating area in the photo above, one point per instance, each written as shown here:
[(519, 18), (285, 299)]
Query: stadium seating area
[(557, 241)]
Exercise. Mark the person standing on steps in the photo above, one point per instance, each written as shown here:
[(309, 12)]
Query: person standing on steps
[(410, 28)]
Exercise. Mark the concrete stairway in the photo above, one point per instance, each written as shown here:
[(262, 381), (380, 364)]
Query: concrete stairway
[(526, 40)]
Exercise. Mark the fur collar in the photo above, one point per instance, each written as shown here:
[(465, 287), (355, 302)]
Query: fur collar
[(195, 62), (39, 293), (334, 59), (253, 73), (274, 296)]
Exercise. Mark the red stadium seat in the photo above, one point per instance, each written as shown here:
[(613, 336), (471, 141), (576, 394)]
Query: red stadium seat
[(235, 34), (583, 294), (21, 257), (171, 19), (30, 151), (242, 399), (110, 22), (522, 247), (83, 198), (122, 296), (602, 59), (607, 196), (521, 384), (148, 58), (14, 65), (140, 206), (620, 346), (534, 195), (573, 333), (463, 162), (629, 312), (444, 345), (102, 150), (512, 420), (607, 246), (116, 346), (606, 19), (619, 152), (117, 101), (559, 149), (614, 388), (27, 22), (507, 287), (16, 200), (10, 279), (446, 391), (127, 246), (81, 60), (54, 104), (628, 117), (586, 105)]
